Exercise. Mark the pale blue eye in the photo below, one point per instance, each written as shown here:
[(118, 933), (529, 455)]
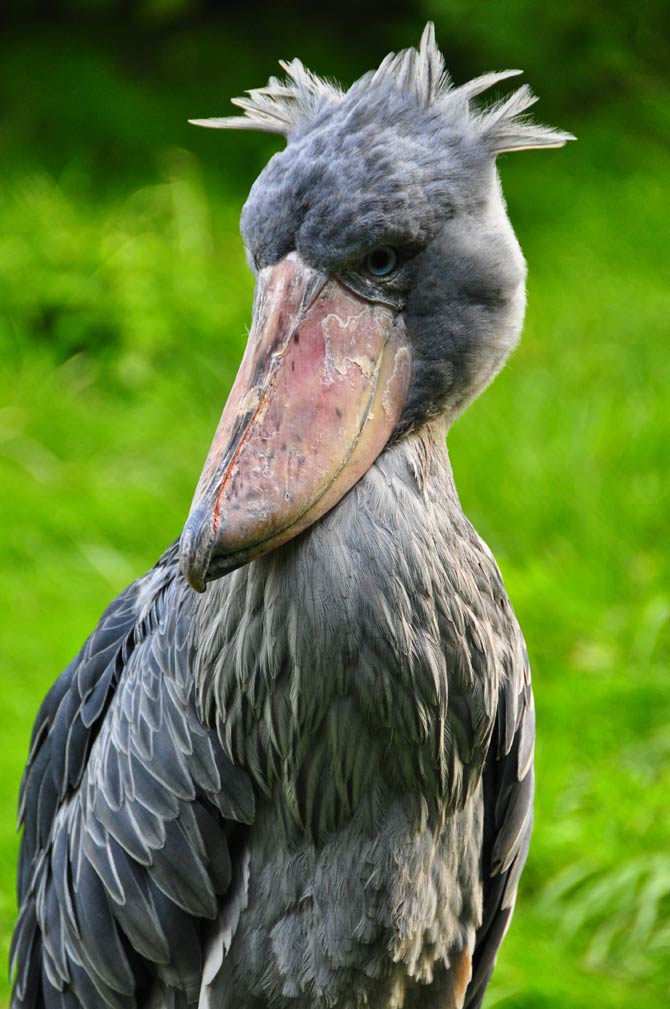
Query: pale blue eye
[(382, 261)]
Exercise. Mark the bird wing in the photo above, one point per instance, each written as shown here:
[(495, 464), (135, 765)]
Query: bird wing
[(508, 781), (132, 817)]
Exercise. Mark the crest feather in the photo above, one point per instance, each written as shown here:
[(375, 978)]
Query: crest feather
[(284, 106), (477, 86), (504, 128), (280, 106), (418, 72)]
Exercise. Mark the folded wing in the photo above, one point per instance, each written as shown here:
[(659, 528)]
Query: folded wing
[(508, 818), (134, 818)]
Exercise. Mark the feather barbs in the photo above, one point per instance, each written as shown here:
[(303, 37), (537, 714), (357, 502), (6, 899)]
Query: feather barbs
[(285, 106), (280, 106)]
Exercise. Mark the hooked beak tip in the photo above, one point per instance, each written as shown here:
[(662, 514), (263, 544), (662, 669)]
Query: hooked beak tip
[(195, 550)]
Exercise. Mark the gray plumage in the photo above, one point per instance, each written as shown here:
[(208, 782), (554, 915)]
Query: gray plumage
[(311, 786)]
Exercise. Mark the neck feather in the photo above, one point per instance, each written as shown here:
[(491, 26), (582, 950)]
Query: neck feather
[(384, 625)]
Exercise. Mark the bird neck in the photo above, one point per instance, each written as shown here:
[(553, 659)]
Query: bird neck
[(373, 630)]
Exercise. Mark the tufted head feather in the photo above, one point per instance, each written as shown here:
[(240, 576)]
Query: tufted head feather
[(286, 107)]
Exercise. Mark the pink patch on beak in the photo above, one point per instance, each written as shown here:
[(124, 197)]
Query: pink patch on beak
[(318, 394)]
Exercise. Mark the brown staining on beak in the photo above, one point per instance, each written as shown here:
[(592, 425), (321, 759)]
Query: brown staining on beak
[(318, 394)]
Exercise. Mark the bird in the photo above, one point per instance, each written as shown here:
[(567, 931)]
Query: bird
[(292, 766)]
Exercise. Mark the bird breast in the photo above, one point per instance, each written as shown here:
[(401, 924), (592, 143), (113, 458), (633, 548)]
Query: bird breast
[(353, 673), (386, 921)]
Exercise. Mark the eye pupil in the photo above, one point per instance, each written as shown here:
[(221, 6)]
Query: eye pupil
[(382, 261)]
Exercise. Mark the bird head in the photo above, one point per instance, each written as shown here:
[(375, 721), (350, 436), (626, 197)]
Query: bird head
[(390, 289)]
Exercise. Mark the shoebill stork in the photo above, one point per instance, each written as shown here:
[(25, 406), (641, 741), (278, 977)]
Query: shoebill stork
[(292, 765)]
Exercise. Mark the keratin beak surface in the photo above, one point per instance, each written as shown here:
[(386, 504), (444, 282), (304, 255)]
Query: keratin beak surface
[(318, 394)]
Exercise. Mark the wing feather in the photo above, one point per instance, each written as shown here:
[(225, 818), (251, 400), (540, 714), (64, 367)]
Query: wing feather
[(508, 818), (127, 805)]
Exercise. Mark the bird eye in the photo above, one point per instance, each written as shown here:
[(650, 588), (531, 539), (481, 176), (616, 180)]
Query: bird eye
[(382, 261)]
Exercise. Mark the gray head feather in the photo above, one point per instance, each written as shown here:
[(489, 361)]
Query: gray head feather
[(285, 107)]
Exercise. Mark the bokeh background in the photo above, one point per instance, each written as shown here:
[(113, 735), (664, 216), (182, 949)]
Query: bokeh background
[(123, 304)]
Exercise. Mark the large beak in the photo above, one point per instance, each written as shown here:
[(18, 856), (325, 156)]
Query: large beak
[(318, 394)]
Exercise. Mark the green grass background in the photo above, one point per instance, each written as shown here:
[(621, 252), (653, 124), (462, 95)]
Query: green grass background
[(123, 309)]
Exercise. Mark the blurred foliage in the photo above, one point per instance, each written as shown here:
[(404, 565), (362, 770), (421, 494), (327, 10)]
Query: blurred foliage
[(589, 57), (124, 303)]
